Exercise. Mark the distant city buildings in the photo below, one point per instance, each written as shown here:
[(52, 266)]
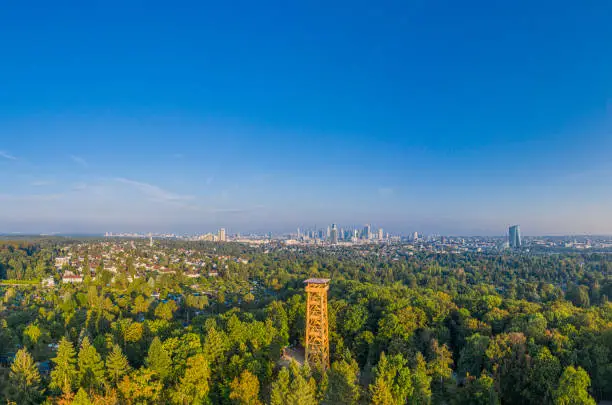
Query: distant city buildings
[(222, 236), (367, 232), (381, 235), (514, 236), (334, 234)]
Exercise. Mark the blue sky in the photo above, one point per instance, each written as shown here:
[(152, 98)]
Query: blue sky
[(436, 116)]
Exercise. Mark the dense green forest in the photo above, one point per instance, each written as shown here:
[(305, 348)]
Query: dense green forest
[(405, 328)]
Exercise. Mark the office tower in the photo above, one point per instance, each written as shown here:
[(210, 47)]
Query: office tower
[(514, 236), (381, 235), (298, 233), (222, 237), (415, 236), (367, 232), (333, 236), (341, 234), (328, 233)]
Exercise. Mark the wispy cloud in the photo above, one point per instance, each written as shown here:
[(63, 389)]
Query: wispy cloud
[(78, 160), (7, 155), (153, 191)]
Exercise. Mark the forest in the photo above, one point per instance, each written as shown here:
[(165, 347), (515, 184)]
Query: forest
[(208, 323)]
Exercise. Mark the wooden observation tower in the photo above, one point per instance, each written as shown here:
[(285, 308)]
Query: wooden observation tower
[(317, 336)]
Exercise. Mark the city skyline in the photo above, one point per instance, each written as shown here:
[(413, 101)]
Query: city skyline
[(408, 116)]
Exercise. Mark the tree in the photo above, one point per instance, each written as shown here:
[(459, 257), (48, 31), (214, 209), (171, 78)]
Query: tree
[(140, 387), (280, 388), (140, 305), (573, 388), (91, 367), (477, 391), (302, 389), (31, 334), (158, 359), (544, 374), (117, 365), (245, 389), (507, 354), (194, 385), (165, 310), (421, 382), (81, 398), (24, 379), (473, 356), (343, 387), (393, 382), (64, 375)]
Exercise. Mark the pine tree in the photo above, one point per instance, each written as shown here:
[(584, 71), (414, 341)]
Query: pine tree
[(81, 398), (24, 379), (158, 359), (245, 389), (421, 382), (64, 374), (117, 365), (193, 387), (91, 367), (302, 389), (380, 392), (393, 382), (343, 385), (280, 388)]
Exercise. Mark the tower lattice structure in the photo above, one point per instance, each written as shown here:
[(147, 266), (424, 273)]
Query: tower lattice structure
[(317, 334)]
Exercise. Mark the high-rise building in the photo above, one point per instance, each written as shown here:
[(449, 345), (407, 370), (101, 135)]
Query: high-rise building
[(222, 237), (333, 236), (381, 235), (415, 236), (328, 233), (367, 232), (514, 236)]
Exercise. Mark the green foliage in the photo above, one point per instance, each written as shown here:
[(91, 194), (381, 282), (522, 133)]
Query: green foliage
[(81, 398), (573, 388), (64, 376), (158, 359), (245, 389), (343, 387), (507, 324), (193, 387), (24, 380), (117, 365), (91, 368)]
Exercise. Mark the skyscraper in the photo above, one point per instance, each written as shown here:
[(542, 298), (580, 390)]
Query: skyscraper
[(334, 235), (222, 237), (381, 235), (514, 236), (367, 232)]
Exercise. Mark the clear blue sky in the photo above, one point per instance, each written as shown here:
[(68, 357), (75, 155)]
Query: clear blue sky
[(436, 116)]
